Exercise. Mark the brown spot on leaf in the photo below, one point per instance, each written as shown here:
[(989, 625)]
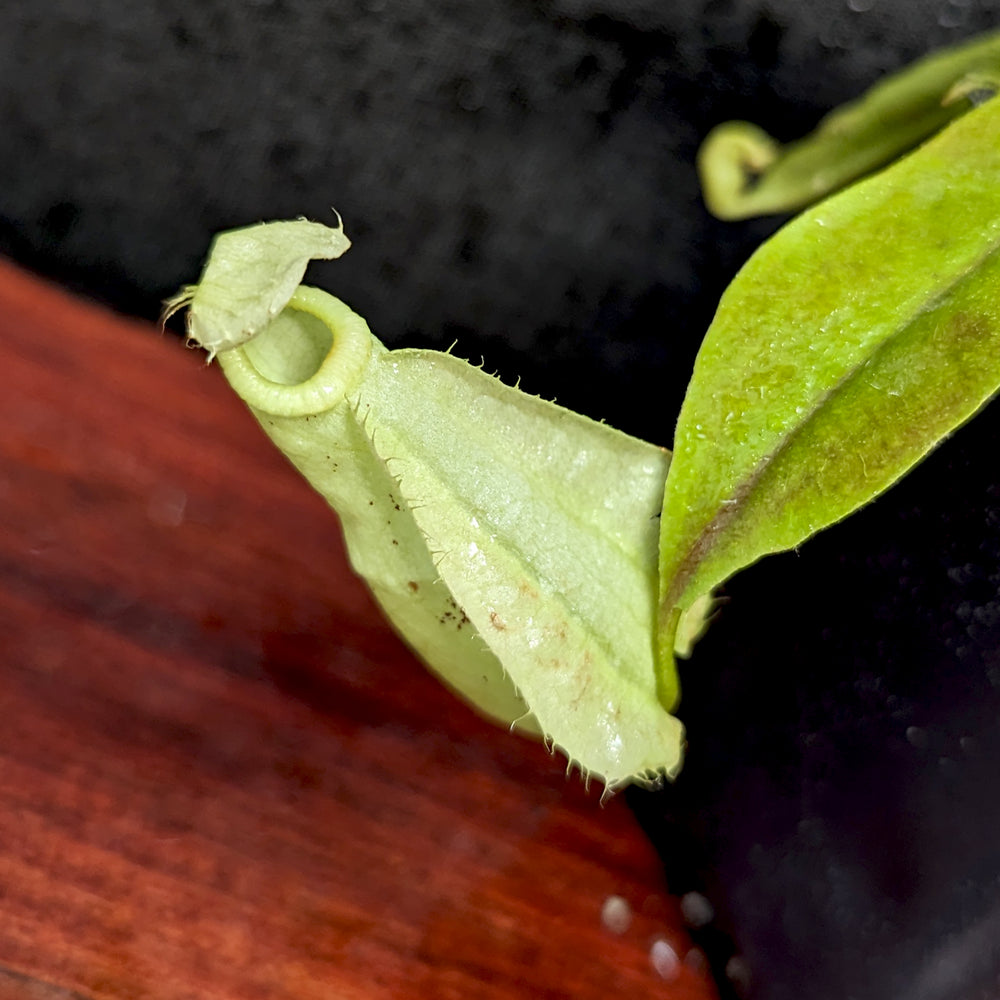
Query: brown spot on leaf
[(965, 328)]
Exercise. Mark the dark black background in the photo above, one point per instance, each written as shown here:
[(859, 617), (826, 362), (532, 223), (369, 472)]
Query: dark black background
[(519, 177)]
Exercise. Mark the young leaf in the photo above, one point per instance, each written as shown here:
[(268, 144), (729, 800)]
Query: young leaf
[(744, 172), (512, 542), (849, 345)]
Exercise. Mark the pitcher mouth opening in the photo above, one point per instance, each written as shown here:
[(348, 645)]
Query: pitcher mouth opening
[(291, 349), (305, 360)]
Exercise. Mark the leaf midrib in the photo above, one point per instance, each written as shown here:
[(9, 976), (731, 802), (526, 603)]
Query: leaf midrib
[(714, 528)]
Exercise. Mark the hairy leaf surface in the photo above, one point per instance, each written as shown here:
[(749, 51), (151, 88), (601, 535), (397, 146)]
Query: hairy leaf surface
[(849, 345), (512, 542)]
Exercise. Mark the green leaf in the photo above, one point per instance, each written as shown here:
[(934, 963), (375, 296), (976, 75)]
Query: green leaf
[(513, 543), (744, 172), (848, 346)]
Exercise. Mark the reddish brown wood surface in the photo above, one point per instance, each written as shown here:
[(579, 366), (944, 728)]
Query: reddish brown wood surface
[(221, 775)]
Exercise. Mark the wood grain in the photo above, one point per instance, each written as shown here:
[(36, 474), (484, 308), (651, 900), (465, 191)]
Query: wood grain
[(221, 775)]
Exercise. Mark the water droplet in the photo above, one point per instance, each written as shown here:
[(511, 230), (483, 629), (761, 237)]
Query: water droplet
[(166, 507), (953, 17), (738, 973), (469, 96), (664, 960), (696, 910), (695, 959), (616, 914)]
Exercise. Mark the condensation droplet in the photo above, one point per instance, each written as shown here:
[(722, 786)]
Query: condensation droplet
[(695, 959), (835, 35), (738, 973), (696, 910), (469, 96), (664, 959), (953, 17), (166, 507), (616, 915)]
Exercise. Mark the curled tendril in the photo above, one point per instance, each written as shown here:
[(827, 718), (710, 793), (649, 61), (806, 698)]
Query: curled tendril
[(744, 172)]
